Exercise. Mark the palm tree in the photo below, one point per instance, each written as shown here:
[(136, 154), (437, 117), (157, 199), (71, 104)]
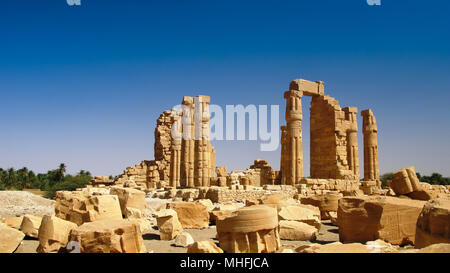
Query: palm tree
[(11, 178), (61, 171)]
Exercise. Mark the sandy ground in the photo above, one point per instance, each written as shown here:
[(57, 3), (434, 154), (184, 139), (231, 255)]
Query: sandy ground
[(18, 203), (328, 234)]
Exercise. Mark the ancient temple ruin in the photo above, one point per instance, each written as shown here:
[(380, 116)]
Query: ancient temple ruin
[(185, 158), (334, 140)]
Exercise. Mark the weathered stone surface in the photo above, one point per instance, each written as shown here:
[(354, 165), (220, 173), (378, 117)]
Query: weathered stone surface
[(191, 214), (221, 171), (377, 246), (10, 239), (363, 219), (132, 201), (204, 247), (30, 225), (103, 207), (53, 234), (301, 213), (436, 248), (277, 200), (421, 195), (109, 236), (184, 239), (14, 222), (433, 224), (249, 230), (405, 181), (168, 224), (335, 247), (297, 231), (145, 225), (81, 207), (326, 203), (333, 218), (207, 203)]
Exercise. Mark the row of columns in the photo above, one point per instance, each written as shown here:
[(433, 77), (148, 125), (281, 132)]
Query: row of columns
[(291, 164), (192, 156)]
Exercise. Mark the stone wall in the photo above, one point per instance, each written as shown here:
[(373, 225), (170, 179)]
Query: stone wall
[(331, 131)]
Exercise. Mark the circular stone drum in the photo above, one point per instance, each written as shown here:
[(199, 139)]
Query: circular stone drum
[(249, 230)]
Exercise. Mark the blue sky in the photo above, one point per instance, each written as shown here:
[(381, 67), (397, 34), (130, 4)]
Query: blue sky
[(84, 84)]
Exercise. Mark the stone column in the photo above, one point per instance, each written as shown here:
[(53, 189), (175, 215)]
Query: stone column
[(187, 143), (352, 140), (283, 154), (370, 131), (251, 229), (202, 144), (294, 152), (175, 160)]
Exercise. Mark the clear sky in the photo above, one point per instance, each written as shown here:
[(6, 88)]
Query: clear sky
[(84, 84)]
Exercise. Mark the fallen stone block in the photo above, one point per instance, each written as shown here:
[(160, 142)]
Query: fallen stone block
[(14, 222), (10, 239), (326, 203), (184, 239), (433, 224), (204, 247), (53, 234), (103, 207), (109, 236), (369, 218), (301, 213), (207, 203), (297, 231), (168, 224), (132, 201), (30, 225), (405, 181), (191, 214), (377, 246)]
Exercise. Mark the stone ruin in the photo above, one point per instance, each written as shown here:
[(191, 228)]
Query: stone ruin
[(254, 210), (179, 161), (185, 162)]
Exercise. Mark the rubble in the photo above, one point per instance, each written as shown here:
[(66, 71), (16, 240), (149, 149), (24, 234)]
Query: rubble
[(326, 203), (168, 225), (301, 213), (297, 231), (184, 239), (132, 201), (204, 247), (10, 239), (191, 214), (368, 218), (109, 236), (54, 234), (30, 225), (433, 224)]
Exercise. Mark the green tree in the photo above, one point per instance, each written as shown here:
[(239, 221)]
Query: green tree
[(61, 171)]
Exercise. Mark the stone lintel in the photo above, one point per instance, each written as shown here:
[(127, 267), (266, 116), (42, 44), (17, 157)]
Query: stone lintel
[(308, 88)]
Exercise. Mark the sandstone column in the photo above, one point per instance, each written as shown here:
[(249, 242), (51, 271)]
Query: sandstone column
[(187, 157), (175, 158), (202, 158), (352, 140), (283, 155), (294, 157), (370, 130)]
